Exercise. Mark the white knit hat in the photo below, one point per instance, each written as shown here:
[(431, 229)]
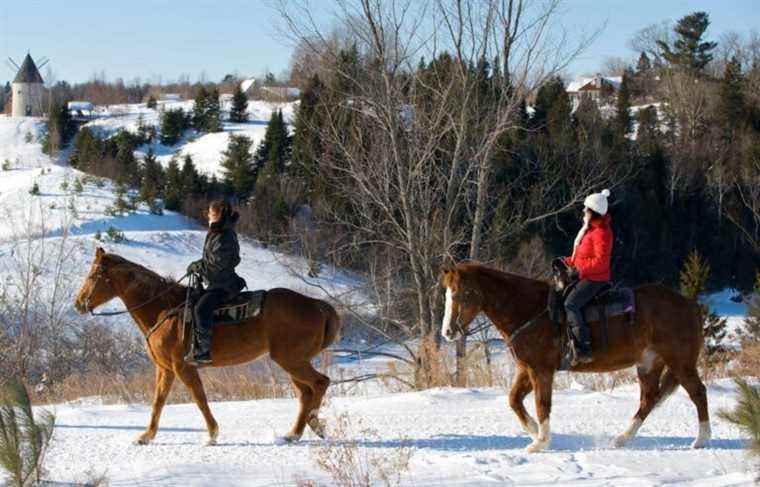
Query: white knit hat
[(597, 201)]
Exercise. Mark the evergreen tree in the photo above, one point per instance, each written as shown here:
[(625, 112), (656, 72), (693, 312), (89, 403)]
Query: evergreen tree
[(746, 414), (213, 112), (644, 65), (732, 105), (173, 188), (751, 330), (623, 121), (689, 51), (693, 278), (307, 142), (275, 151), (152, 182), (190, 178), (60, 129), (152, 102), (128, 167), (239, 169), (200, 110), (238, 112), (173, 125), (552, 106)]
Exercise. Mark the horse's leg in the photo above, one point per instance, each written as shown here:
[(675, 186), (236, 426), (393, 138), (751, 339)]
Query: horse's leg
[(189, 376), (305, 376), (164, 381), (542, 389), (649, 385), (521, 387), (689, 379)]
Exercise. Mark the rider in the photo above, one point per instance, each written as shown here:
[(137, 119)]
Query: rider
[(590, 265), (221, 254)]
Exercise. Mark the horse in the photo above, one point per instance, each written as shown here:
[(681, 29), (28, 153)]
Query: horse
[(663, 342), (291, 327)]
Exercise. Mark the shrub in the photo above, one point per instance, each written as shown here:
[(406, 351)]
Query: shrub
[(6, 165), (65, 186), (35, 189), (28, 138), (115, 235), (746, 414), (78, 188), (23, 439)]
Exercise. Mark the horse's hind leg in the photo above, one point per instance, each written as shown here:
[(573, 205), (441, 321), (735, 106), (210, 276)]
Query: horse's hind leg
[(189, 376), (649, 385), (689, 379), (312, 387), (164, 381), (521, 387), (542, 390)]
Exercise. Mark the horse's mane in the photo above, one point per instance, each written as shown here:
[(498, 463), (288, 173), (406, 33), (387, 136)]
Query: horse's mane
[(151, 279), (504, 277)]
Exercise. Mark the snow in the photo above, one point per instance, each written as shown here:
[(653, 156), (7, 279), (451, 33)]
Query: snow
[(465, 437)]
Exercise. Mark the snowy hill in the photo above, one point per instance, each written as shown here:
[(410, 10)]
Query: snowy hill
[(163, 243), (205, 149)]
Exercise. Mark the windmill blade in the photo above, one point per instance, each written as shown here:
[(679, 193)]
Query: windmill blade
[(14, 63), (43, 63)]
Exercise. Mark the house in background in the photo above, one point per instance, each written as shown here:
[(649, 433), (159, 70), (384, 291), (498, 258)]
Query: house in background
[(599, 88)]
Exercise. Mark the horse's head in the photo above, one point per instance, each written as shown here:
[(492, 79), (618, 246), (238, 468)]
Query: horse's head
[(97, 287), (464, 301), (561, 274)]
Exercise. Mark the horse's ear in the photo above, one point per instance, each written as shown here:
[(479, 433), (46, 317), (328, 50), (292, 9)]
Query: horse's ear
[(100, 252)]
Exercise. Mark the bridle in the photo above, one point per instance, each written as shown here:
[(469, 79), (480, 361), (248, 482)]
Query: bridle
[(100, 273)]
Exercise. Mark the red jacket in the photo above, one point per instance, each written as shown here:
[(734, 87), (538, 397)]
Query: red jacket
[(592, 256)]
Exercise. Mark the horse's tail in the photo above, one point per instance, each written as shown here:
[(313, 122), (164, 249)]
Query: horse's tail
[(333, 324), (668, 385)]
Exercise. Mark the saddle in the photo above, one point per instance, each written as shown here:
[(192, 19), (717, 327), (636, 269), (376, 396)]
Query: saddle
[(609, 302), (237, 310)]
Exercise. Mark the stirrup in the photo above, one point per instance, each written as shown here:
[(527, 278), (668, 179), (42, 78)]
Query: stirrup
[(198, 360)]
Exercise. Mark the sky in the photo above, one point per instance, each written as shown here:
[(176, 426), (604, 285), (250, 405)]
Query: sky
[(164, 39)]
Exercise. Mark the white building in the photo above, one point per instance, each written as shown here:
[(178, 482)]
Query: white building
[(27, 90)]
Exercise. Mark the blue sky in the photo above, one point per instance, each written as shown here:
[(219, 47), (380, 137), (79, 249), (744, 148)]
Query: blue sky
[(162, 38)]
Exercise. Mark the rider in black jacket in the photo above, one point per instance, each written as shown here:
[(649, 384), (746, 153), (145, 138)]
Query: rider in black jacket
[(221, 254)]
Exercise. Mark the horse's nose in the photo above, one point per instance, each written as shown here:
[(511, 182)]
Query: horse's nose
[(79, 307)]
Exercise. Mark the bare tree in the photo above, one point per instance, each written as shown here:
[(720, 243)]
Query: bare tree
[(411, 148)]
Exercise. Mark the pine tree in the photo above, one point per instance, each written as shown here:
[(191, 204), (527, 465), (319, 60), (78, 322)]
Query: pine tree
[(239, 169), (200, 110), (751, 330), (623, 120), (746, 413), (152, 182), (173, 125), (307, 142), (644, 65), (732, 105), (239, 110), (189, 176), (213, 112), (274, 153), (152, 102), (693, 279), (173, 186), (689, 51)]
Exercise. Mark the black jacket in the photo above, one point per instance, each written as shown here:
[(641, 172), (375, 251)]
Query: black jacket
[(221, 254)]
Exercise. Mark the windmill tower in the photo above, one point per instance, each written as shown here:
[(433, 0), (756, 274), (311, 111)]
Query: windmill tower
[(27, 89)]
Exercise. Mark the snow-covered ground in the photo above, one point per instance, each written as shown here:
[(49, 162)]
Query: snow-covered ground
[(458, 437)]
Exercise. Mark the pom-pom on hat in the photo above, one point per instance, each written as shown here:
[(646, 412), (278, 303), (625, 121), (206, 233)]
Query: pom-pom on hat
[(598, 201)]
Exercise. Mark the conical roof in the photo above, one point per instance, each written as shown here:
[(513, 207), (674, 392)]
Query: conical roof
[(28, 72)]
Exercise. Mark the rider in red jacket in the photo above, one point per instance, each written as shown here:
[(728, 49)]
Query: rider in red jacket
[(590, 262)]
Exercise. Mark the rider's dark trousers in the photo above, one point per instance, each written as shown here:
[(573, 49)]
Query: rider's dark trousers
[(579, 296), (204, 315)]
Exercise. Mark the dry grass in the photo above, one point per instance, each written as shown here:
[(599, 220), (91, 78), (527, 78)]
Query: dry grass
[(257, 381), (747, 362), (350, 464)]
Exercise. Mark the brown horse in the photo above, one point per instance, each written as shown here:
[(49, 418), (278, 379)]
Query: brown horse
[(664, 343), (291, 327)]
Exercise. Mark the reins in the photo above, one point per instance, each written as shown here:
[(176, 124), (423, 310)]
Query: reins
[(129, 310), (520, 329)]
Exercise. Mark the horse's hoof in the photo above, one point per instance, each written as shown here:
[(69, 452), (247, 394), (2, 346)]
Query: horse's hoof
[(536, 446), (143, 439), (619, 441), (317, 426), (703, 438), (211, 442), (288, 439)]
